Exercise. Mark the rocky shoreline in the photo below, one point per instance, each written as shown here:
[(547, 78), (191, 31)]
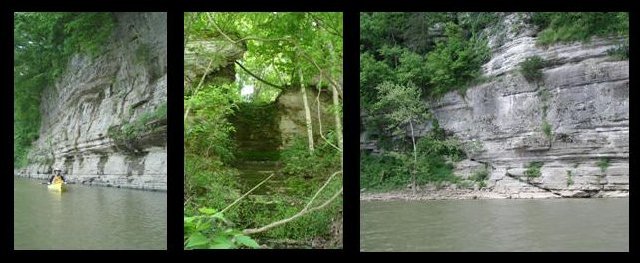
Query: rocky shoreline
[(465, 194), (96, 183)]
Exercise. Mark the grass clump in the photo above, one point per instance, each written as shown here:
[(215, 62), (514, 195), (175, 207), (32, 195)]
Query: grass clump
[(533, 170), (480, 175)]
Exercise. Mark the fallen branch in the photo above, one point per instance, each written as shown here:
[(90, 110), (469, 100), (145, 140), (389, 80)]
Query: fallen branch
[(302, 212), (284, 221), (320, 190), (247, 193)]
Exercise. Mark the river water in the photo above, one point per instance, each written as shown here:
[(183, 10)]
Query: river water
[(495, 225), (88, 218)]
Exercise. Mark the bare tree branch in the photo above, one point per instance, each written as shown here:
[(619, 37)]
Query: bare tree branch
[(259, 78), (320, 118)]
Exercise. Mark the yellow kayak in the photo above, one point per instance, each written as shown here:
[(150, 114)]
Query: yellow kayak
[(58, 187)]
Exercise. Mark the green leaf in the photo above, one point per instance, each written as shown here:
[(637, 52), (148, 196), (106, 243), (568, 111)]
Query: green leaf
[(247, 241), (207, 211), (197, 240), (222, 242), (189, 219)]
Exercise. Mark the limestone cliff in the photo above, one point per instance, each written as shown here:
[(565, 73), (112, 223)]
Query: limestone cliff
[(584, 98), (104, 120)]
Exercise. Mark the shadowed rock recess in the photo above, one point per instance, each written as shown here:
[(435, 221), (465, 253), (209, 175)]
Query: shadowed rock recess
[(104, 121), (584, 98)]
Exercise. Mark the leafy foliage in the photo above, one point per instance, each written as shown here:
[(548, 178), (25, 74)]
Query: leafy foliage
[(438, 52), (531, 68), (127, 133), (299, 161), (209, 183), (400, 105), (278, 46), (382, 172), (43, 44), (389, 171), (210, 229), (454, 63), (208, 130), (567, 27)]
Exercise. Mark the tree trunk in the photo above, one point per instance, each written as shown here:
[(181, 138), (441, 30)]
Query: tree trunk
[(307, 111), (336, 104), (415, 160), (336, 114)]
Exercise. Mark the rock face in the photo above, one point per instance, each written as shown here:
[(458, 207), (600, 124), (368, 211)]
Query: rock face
[(292, 116), (215, 57), (104, 121), (584, 100)]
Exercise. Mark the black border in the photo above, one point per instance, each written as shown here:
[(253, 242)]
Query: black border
[(175, 62)]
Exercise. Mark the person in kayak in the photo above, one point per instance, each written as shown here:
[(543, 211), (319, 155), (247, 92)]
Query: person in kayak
[(57, 177)]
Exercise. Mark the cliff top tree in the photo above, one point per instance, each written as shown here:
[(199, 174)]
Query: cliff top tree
[(400, 106)]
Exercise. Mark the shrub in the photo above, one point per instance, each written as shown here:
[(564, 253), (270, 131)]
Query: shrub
[(382, 172), (480, 175), (434, 168), (546, 128), (430, 146), (566, 27), (209, 183), (531, 67), (603, 164), (621, 52), (533, 170), (125, 135), (455, 62), (569, 178), (393, 169), (298, 161)]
